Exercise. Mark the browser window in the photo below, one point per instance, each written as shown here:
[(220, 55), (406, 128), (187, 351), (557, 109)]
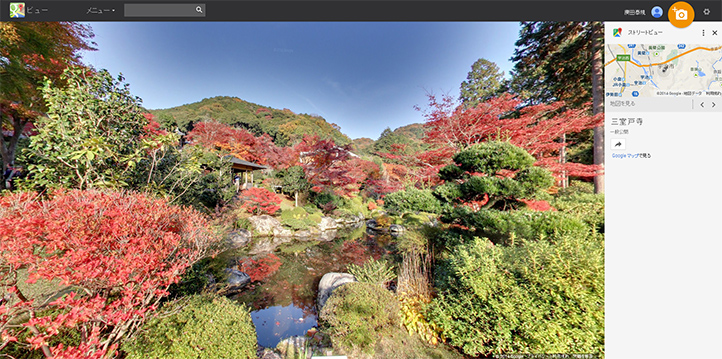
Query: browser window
[(387, 179)]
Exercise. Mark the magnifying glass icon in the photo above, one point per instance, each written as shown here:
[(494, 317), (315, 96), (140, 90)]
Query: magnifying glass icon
[(199, 9)]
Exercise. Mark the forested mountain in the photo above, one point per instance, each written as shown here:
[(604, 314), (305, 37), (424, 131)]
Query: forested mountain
[(284, 126), (410, 136), (363, 145), (414, 131)]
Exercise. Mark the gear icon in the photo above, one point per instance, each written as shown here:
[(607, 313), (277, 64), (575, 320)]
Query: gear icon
[(706, 11)]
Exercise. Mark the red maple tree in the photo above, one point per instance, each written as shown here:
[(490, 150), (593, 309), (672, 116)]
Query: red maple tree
[(539, 129), (418, 168), (242, 144), (118, 252), (327, 166), (260, 201)]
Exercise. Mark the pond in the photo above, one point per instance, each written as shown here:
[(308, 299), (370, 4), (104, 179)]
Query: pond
[(283, 303)]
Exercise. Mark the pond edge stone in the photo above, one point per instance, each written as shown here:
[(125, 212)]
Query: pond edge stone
[(329, 282)]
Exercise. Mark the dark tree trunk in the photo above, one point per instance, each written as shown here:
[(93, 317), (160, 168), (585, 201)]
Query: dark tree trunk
[(7, 148), (598, 101)]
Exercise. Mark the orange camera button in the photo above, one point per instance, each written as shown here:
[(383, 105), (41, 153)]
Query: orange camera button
[(681, 14)]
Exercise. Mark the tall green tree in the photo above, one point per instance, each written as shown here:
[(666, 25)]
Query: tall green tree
[(29, 53), (562, 61), (90, 137), (482, 83), (493, 174), (293, 181), (552, 61)]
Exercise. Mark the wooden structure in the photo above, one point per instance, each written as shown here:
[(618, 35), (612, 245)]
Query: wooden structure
[(239, 166)]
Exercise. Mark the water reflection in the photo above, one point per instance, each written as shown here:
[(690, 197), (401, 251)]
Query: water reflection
[(284, 304), (275, 323)]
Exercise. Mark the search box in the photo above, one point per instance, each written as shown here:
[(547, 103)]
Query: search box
[(165, 10)]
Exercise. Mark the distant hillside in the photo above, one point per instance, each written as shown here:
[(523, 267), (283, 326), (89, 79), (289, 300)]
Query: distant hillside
[(284, 126), (414, 131), (410, 135), (363, 145)]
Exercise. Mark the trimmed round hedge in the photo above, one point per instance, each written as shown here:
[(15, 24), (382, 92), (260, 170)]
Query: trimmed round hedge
[(358, 315), (203, 327)]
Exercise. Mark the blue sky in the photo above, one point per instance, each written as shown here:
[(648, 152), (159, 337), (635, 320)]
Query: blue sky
[(362, 76)]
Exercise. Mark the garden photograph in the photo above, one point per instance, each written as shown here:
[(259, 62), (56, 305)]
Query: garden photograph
[(296, 190)]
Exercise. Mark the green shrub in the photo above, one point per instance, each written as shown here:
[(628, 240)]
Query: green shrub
[(203, 327), (416, 219), (500, 226), (299, 219), (311, 209), (327, 201), (242, 223), (315, 217), (496, 187), (412, 200), (587, 207), (373, 271), (355, 205), (448, 192), (342, 213), (577, 187), (357, 315), (535, 297), (198, 277), (295, 218), (296, 224), (297, 213)]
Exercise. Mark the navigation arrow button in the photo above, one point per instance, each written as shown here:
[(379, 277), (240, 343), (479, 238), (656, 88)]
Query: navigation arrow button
[(701, 105)]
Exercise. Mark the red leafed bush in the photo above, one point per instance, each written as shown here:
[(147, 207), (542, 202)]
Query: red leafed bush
[(260, 201), (260, 269), (537, 128), (119, 251), (477, 205), (153, 127), (537, 205)]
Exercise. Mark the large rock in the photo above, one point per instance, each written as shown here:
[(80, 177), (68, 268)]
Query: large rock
[(303, 235), (328, 283), (262, 245), (236, 281), (239, 238), (265, 225), (278, 240), (327, 236), (327, 223), (282, 232), (396, 229), (265, 353)]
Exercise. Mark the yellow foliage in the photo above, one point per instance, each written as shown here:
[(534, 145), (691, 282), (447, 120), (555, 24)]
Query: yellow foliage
[(384, 221), (414, 321), (237, 150)]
